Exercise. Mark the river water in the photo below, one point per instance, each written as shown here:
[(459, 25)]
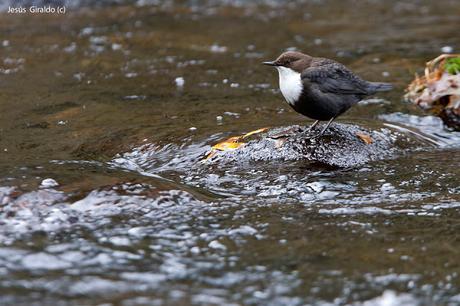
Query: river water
[(107, 110)]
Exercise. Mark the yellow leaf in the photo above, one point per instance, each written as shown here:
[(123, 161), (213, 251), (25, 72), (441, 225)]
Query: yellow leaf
[(232, 143), (365, 138), (255, 132)]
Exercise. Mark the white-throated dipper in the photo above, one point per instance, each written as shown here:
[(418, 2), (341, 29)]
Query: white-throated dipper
[(320, 88)]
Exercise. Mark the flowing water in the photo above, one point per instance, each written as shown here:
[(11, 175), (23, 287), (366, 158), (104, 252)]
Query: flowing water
[(107, 110)]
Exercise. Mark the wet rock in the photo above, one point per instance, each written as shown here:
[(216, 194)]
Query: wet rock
[(342, 145)]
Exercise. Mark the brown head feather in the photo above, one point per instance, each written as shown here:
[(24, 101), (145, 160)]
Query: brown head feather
[(295, 60)]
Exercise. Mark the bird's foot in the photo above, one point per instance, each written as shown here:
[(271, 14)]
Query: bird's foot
[(286, 133), (312, 137), (309, 133), (307, 130), (322, 131)]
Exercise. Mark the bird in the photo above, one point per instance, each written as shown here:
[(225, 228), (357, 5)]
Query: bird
[(320, 88)]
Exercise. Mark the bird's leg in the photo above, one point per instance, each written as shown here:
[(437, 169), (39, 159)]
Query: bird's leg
[(311, 127), (324, 129)]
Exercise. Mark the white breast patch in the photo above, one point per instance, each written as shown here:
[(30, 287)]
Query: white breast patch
[(290, 84)]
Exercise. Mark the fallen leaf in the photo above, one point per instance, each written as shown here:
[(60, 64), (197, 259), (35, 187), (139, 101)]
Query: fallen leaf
[(232, 143), (258, 131), (229, 144), (366, 138)]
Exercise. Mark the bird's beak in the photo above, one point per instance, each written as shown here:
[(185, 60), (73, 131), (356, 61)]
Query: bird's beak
[(272, 63)]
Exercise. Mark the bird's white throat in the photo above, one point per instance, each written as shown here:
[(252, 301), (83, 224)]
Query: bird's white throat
[(290, 84)]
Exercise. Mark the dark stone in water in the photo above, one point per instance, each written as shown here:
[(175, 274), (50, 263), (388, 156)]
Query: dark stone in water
[(340, 146)]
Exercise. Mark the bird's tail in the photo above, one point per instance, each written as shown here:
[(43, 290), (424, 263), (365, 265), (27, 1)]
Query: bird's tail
[(377, 86)]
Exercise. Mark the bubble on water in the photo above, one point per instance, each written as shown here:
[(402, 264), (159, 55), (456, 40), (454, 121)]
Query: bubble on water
[(144, 277), (391, 298), (97, 48), (135, 97), (217, 245), (86, 31), (74, 257), (170, 59), (179, 81), (447, 49), (148, 2), (243, 230), (318, 41), (71, 48), (173, 267), (232, 114), (392, 278), (208, 299), (13, 61), (92, 285), (98, 40), (355, 211), (49, 183), (16, 64), (120, 241), (373, 101), (195, 250), (116, 47), (254, 55), (215, 48), (190, 63), (387, 187), (79, 76), (405, 258)]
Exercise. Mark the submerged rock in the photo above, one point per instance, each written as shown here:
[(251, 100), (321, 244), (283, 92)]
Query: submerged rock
[(342, 145)]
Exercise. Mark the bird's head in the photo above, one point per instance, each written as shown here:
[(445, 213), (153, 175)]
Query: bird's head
[(291, 59)]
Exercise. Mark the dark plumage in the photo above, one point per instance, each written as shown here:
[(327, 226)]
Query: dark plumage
[(321, 88)]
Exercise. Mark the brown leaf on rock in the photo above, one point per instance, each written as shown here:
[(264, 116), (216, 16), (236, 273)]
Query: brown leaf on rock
[(366, 138)]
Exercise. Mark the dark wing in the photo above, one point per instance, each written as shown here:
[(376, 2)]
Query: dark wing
[(335, 78)]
